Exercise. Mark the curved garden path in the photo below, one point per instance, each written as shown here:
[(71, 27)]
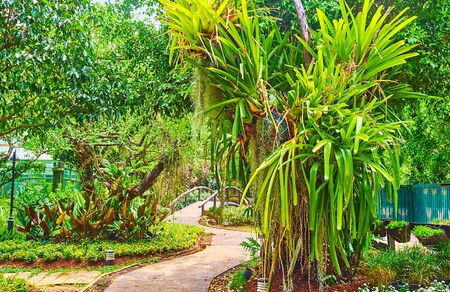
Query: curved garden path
[(191, 272)]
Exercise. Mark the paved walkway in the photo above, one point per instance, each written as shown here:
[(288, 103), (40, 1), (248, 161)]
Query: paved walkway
[(192, 272)]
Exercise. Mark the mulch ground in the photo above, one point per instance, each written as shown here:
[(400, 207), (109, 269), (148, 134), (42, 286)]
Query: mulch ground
[(220, 283)]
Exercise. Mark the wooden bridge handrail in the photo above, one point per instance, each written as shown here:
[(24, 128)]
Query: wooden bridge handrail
[(172, 204), (214, 195), (208, 199)]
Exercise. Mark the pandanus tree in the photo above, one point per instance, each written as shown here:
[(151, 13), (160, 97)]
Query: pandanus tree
[(319, 136)]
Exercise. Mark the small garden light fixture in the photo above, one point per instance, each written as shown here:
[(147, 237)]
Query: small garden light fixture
[(109, 259)]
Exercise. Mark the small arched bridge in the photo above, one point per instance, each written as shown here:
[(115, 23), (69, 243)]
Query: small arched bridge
[(233, 197)]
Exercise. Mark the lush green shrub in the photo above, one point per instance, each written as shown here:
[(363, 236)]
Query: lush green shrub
[(14, 284), (213, 213), (236, 216), (397, 225), (378, 223), (441, 221), (254, 247), (237, 282), (436, 286), (425, 231), (4, 214), (168, 238), (413, 265)]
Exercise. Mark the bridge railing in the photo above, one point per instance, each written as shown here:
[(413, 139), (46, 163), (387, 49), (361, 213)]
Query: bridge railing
[(227, 198), (185, 195)]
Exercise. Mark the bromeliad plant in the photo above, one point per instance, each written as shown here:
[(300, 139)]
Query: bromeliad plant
[(319, 137)]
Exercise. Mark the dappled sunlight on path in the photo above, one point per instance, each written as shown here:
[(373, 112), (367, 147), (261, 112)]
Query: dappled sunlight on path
[(192, 272)]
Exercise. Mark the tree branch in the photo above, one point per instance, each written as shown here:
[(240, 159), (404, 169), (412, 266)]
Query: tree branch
[(306, 33), (149, 180)]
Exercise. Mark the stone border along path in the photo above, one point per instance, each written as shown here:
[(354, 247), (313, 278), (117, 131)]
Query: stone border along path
[(191, 272)]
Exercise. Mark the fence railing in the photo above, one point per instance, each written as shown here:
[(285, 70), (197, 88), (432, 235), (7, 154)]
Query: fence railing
[(228, 200), (420, 203), (185, 195)]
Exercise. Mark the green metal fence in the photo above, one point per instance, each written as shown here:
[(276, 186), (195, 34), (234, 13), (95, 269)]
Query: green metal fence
[(45, 176), (420, 203)]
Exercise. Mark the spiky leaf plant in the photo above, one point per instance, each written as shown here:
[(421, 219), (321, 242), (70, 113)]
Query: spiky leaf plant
[(323, 135)]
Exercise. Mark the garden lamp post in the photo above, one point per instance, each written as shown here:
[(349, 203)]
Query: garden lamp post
[(11, 218)]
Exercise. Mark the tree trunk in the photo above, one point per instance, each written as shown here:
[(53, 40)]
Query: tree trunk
[(304, 28), (148, 181), (207, 94)]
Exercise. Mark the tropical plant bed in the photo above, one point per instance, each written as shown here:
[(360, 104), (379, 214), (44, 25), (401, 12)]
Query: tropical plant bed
[(220, 283), (301, 285), (243, 228), (171, 239)]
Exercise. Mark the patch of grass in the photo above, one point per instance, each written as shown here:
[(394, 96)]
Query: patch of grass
[(397, 225), (436, 286), (413, 265), (236, 216), (441, 221), (13, 284), (171, 238), (237, 283), (425, 231)]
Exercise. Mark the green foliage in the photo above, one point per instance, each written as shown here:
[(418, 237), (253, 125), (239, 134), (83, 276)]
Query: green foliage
[(14, 284), (235, 216), (21, 167), (286, 15), (413, 265), (170, 238), (425, 231), (213, 213), (397, 225), (238, 282), (324, 132), (254, 247), (426, 152), (4, 215), (438, 286), (46, 61), (378, 223), (441, 221)]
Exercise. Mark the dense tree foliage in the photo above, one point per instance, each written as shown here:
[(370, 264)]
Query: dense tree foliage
[(91, 83), (318, 133), (425, 152), (71, 63)]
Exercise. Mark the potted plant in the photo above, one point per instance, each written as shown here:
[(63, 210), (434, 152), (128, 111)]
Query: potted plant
[(399, 231), (429, 236), (379, 228)]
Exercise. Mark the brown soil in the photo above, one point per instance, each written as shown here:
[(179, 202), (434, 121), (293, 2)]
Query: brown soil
[(220, 283), (103, 282), (302, 285), (204, 240)]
